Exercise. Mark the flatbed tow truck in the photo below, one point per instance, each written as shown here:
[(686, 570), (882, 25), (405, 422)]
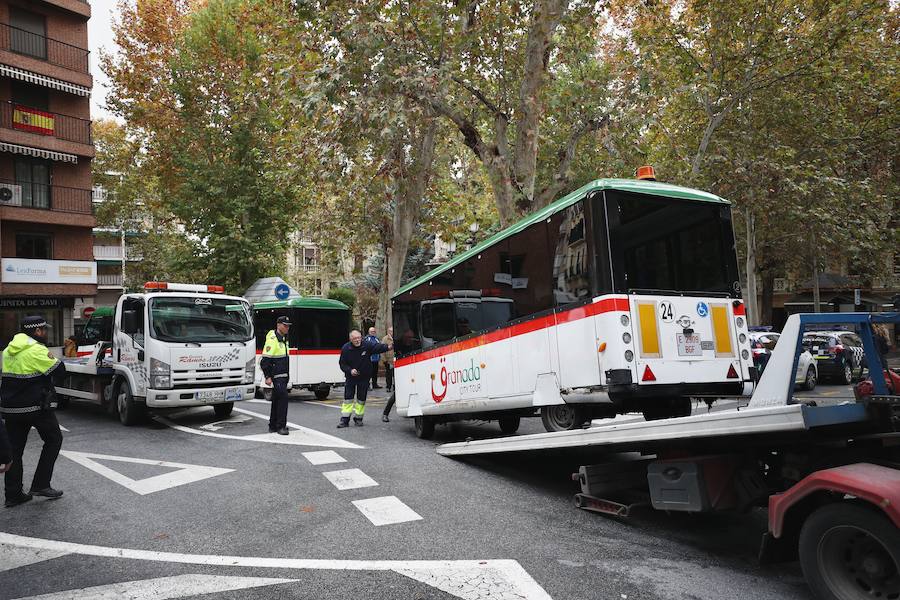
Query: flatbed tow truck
[(829, 474)]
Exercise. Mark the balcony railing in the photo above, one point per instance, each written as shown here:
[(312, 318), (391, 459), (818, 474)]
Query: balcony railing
[(44, 48), (45, 197), (108, 252), (42, 122), (115, 280)]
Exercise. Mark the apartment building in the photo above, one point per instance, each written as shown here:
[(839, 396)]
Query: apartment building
[(46, 216)]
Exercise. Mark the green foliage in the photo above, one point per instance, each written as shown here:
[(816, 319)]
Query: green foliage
[(342, 294)]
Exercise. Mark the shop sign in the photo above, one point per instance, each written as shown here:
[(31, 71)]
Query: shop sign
[(12, 303), (30, 270)]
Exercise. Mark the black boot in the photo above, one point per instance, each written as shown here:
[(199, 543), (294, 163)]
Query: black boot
[(16, 500), (357, 421), (345, 422), (47, 492)]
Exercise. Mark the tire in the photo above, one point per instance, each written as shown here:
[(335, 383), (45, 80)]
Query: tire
[(130, 412), (322, 392), (850, 552), (809, 384), (846, 376), (563, 417), (223, 410), (509, 425), (424, 428), (267, 394)]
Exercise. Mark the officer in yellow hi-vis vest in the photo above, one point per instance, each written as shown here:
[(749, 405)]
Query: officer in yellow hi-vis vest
[(27, 399), (275, 365)]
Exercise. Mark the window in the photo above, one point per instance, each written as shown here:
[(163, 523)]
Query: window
[(437, 322), (34, 177), (28, 33), (406, 327), (137, 305), (572, 250), (34, 245)]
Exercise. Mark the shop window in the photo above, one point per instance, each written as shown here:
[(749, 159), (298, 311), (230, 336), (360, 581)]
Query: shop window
[(34, 245)]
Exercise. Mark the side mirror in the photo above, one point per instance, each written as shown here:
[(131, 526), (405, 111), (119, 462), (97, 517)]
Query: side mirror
[(130, 322)]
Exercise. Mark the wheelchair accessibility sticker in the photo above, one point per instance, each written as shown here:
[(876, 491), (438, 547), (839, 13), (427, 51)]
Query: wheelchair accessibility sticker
[(702, 309)]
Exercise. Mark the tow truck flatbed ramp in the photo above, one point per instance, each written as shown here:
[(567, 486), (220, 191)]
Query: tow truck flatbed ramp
[(749, 426)]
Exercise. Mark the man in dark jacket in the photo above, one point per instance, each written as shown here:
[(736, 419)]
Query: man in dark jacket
[(356, 363), (28, 399), (275, 365)]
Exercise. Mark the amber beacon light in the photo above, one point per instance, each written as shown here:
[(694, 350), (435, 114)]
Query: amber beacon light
[(646, 172)]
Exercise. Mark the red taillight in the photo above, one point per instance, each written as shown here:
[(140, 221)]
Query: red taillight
[(648, 374), (732, 372), (757, 352), (836, 350)]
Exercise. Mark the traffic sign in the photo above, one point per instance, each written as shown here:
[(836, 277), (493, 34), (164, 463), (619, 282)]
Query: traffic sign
[(88, 311), (282, 291)]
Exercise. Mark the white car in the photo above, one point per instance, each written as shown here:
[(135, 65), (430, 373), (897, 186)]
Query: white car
[(763, 342)]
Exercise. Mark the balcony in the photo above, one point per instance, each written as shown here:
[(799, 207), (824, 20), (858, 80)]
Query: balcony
[(41, 122), (110, 280), (309, 268), (45, 197), (108, 252), (43, 48)]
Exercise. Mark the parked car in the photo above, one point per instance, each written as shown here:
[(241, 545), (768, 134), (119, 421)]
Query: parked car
[(839, 355), (763, 342)]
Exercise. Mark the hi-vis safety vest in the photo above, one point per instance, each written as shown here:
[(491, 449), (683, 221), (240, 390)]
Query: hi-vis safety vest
[(27, 366), (274, 362), (274, 348)]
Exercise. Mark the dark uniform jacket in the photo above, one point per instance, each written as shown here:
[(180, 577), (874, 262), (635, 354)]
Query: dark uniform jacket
[(359, 358), (28, 376)]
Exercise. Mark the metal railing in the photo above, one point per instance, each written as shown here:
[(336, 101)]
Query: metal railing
[(63, 127), (48, 197), (113, 252), (41, 47), (115, 279)]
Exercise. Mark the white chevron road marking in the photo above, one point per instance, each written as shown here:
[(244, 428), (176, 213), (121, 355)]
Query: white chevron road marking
[(163, 588)]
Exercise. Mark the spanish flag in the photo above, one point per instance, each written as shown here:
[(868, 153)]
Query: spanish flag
[(33, 120)]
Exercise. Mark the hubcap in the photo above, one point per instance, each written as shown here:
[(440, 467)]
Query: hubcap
[(563, 416), (855, 564)]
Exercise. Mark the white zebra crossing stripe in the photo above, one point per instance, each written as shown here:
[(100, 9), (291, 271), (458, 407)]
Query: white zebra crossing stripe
[(349, 479), (13, 557), (324, 457), (387, 510), (164, 588)]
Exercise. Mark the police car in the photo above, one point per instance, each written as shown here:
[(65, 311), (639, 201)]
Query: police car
[(761, 345), (838, 354)]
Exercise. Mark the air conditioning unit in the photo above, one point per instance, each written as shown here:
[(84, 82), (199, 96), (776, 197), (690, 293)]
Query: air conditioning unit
[(10, 195)]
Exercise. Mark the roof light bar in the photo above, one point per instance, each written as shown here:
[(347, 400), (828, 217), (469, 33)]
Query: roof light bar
[(165, 286)]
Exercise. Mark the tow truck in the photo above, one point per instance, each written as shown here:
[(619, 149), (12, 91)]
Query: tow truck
[(175, 345), (828, 473)]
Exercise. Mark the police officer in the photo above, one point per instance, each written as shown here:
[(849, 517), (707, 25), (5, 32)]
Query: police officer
[(27, 399), (356, 363), (275, 365)]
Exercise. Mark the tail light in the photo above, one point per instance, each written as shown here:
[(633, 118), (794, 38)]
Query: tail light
[(836, 350)]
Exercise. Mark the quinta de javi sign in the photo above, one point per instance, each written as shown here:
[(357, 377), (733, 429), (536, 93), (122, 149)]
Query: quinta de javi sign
[(468, 380)]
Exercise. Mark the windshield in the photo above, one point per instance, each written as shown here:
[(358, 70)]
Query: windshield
[(192, 319), (668, 244)]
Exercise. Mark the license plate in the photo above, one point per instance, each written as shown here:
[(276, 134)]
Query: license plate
[(210, 395), (234, 395), (689, 345)]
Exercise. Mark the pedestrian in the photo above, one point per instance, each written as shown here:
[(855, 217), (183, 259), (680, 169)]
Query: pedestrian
[(70, 347), (881, 336), (28, 399), (373, 338), (388, 359), (275, 366), (356, 363)]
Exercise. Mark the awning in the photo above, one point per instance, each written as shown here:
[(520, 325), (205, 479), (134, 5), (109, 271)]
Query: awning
[(37, 152), (50, 82)]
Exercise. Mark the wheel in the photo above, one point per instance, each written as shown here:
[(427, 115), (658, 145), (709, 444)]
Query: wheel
[(424, 428), (563, 417), (509, 424), (810, 383), (322, 392), (130, 412), (850, 552), (847, 374), (223, 410), (258, 393), (267, 394)]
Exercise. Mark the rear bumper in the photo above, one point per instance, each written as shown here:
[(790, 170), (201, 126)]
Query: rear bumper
[(185, 397), (623, 392)]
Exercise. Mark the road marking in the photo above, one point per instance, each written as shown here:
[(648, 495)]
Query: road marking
[(183, 475), (387, 510), (164, 588), (13, 557), (349, 479), (221, 424), (258, 401), (63, 429), (301, 436), (324, 457), (320, 403), (516, 581)]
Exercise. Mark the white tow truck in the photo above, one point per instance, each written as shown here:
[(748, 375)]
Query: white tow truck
[(175, 345), (829, 474)]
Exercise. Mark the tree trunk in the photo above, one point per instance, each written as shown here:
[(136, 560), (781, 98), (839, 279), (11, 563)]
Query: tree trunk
[(750, 296), (817, 299), (767, 296)]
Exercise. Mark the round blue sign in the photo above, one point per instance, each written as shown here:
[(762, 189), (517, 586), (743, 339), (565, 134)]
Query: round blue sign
[(282, 291), (702, 309)]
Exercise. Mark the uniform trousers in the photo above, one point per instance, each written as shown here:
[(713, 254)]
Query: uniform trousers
[(279, 410), (18, 426)]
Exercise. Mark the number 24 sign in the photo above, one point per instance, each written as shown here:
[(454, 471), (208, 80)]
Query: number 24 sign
[(666, 313)]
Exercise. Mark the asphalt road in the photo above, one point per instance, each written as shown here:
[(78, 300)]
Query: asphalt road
[(188, 506)]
